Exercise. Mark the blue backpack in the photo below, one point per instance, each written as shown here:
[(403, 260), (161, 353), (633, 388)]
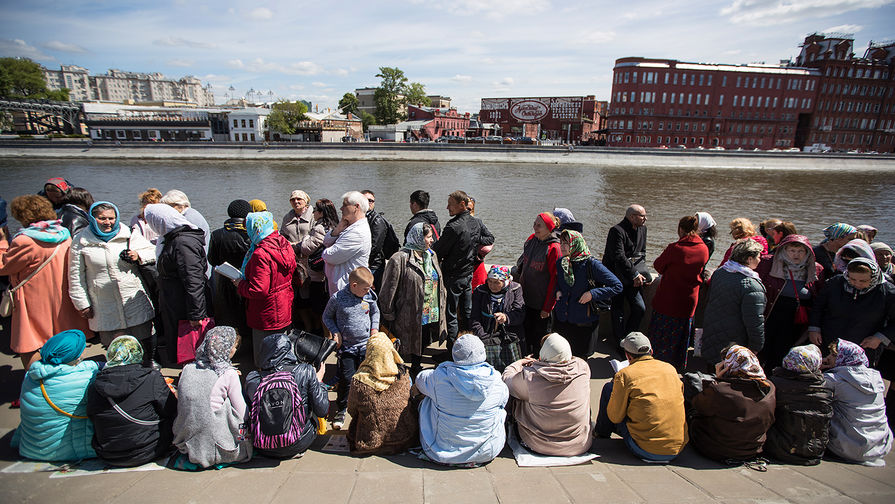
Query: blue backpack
[(277, 412)]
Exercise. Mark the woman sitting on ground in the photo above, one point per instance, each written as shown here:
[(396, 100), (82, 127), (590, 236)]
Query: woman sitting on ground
[(131, 407), (551, 399), (209, 430), (383, 421), (859, 431), (54, 424), (730, 417), (498, 312), (804, 409)]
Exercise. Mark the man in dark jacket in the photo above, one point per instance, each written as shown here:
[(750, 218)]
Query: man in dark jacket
[(625, 256), (383, 238), (456, 250), (277, 355), (419, 205)]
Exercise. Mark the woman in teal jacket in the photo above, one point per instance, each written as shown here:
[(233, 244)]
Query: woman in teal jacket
[(54, 424)]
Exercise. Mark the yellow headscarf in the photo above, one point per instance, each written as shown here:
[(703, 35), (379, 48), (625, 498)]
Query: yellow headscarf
[(260, 206), (380, 367)]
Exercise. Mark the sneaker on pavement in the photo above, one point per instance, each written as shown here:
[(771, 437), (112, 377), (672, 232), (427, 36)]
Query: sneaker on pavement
[(339, 420)]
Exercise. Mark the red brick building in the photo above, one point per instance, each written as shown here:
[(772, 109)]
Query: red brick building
[(568, 118), (434, 122)]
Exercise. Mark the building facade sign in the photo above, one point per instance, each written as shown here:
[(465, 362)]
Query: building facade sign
[(529, 110)]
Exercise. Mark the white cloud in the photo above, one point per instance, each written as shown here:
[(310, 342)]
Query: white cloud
[(182, 42), (593, 37), (763, 12), (261, 14), (259, 65), (494, 9), (461, 78), (844, 28), (216, 78), (55, 45), (319, 84), (180, 62), (503, 84), (341, 72), (18, 47)]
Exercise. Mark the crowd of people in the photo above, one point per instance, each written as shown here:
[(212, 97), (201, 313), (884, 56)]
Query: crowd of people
[(788, 361)]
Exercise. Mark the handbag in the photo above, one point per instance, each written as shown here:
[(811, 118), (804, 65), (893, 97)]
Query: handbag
[(801, 315), (8, 303), (595, 305), (315, 260), (500, 355), (189, 338), (311, 348)]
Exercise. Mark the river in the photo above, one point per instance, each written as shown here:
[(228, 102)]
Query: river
[(509, 195)]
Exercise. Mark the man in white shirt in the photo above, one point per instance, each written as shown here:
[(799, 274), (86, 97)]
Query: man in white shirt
[(348, 245)]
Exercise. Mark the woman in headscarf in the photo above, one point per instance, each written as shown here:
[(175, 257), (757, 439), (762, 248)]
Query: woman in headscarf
[(792, 280), (297, 225), (883, 254), (131, 407), (229, 244), (54, 424), (498, 314), (184, 291), (413, 298), (859, 432), (325, 220), (105, 285), (36, 261), (383, 420), (278, 356), (536, 273), (730, 417), (582, 280), (804, 409), (551, 399), (267, 280), (260, 206), (707, 230), (681, 265), (835, 236), (851, 250), (209, 430)]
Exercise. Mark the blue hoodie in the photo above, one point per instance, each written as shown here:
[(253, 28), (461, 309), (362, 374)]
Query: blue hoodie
[(462, 415)]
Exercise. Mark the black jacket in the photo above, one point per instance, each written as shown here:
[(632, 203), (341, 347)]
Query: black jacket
[(457, 247), (822, 257), (625, 253), (426, 216), (277, 355), (74, 218), (143, 394), (229, 244), (802, 418), (383, 240), (482, 321), (184, 290), (709, 243)]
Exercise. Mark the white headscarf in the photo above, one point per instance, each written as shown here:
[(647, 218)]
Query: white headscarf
[(163, 218), (555, 349), (705, 221)]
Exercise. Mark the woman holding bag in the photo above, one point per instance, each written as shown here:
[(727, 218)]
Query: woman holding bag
[(498, 315)]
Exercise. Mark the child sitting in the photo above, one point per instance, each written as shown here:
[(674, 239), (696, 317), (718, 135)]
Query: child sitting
[(352, 316)]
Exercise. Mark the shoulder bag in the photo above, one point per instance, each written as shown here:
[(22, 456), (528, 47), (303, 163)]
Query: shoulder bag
[(595, 305), (8, 303)]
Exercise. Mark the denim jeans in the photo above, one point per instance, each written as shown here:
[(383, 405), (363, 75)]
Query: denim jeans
[(347, 363), (636, 309), (606, 427), (459, 304)]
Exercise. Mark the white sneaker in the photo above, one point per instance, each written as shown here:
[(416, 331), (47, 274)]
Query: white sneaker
[(339, 420)]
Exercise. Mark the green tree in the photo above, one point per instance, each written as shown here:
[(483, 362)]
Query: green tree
[(389, 96), (415, 94), (367, 118), (22, 78), (349, 103), (285, 116)]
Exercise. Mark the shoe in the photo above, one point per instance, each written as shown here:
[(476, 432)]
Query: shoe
[(156, 366), (339, 420)]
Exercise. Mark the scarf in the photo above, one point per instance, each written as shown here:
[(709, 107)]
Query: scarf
[(705, 221), (837, 231), (124, 350), (94, 225), (416, 243), (735, 267), (259, 225), (380, 367), (782, 265), (235, 224), (850, 354), (163, 218), (49, 231), (214, 351), (260, 206), (876, 276), (547, 218), (555, 349), (578, 251), (859, 248), (564, 215), (803, 359), (63, 347), (740, 362)]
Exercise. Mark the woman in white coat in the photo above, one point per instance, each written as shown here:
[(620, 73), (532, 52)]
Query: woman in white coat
[(105, 285)]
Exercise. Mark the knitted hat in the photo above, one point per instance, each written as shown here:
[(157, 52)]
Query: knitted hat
[(238, 209), (636, 343), (468, 350), (555, 349)]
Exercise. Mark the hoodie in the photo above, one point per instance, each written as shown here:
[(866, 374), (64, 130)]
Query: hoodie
[(536, 272), (268, 284), (352, 317), (462, 415), (143, 394), (427, 216), (859, 431), (552, 409), (277, 355)]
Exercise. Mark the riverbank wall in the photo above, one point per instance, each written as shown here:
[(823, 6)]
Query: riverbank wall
[(463, 153)]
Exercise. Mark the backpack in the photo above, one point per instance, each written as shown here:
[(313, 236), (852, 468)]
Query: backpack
[(277, 415)]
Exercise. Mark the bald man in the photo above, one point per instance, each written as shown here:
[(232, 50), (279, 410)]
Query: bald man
[(625, 256)]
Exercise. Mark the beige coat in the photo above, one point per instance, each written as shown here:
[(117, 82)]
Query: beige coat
[(43, 307), (401, 300), (296, 228), (98, 278), (552, 405), (311, 242)]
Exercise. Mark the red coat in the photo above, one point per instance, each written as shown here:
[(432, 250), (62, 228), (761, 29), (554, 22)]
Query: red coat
[(681, 266), (267, 287)]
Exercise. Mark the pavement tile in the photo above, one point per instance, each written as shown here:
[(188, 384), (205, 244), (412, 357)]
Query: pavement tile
[(792, 485), (39, 488), (525, 485), (596, 486), (724, 483), (159, 486), (458, 486), (318, 461), (884, 474), (389, 463), (838, 476), (659, 484), (388, 487), (504, 463), (303, 486), (236, 484)]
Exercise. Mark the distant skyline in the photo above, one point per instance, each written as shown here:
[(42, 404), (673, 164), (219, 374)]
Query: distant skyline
[(465, 49)]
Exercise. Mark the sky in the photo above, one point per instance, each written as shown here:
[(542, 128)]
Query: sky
[(464, 49)]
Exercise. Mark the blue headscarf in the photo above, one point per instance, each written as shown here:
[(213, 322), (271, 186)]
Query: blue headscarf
[(259, 225), (94, 226), (63, 347)]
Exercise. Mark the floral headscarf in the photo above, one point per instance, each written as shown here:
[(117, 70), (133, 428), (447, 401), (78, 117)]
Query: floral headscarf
[(838, 230), (124, 350), (380, 367), (876, 276), (50, 231), (416, 241), (259, 225), (859, 248), (740, 362), (850, 354), (803, 359), (578, 251), (214, 351), (94, 225), (501, 273)]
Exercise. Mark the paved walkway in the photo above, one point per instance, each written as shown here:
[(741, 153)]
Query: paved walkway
[(322, 478)]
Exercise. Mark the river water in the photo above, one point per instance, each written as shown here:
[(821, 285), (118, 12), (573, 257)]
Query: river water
[(509, 196)]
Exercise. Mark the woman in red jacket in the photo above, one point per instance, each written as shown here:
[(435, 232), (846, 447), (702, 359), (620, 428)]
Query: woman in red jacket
[(536, 273), (681, 266), (267, 280)]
